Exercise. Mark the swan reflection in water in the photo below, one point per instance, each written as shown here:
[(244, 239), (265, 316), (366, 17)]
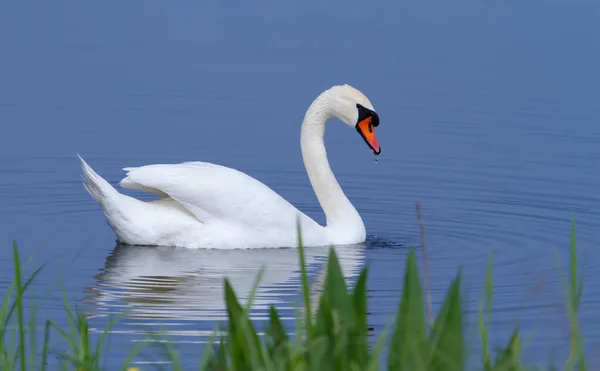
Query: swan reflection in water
[(160, 287)]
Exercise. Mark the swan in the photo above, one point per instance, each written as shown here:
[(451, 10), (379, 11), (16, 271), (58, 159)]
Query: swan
[(205, 205)]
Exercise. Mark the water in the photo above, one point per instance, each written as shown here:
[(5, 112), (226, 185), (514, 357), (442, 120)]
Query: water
[(488, 117)]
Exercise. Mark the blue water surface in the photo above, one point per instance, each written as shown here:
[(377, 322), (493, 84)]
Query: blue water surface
[(489, 117)]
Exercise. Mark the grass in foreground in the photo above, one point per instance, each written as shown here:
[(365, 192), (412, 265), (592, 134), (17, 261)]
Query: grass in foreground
[(334, 338)]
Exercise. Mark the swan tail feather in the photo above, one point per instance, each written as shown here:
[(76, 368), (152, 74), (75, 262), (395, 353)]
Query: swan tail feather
[(95, 185)]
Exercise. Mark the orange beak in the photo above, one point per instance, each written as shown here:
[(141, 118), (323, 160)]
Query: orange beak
[(366, 130)]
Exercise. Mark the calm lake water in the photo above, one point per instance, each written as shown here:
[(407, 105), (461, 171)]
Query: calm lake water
[(489, 117)]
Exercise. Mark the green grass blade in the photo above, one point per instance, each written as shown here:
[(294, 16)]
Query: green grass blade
[(19, 302), (577, 351), (335, 283), (71, 321), (45, 345), (483, 333), (207, 356), (447, 338), (84, 338), (508, 359), (32, 360), (484, 325), (298, 322), (305, 286), (277, 338), (277, 341), (409, 344), (489, 286), (23, 290), (334, 314), (71, 340), (358, 334), (243, 340), (340, 321), (13, 361), (4, 321), (572, 292), (335, 292), (5, 314), (222, 358), (573, 268)]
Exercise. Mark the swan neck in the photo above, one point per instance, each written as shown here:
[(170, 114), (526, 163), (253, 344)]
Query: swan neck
[(339, 211)]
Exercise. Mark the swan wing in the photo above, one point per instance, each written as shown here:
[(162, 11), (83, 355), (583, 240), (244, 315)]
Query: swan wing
[(214, 192)]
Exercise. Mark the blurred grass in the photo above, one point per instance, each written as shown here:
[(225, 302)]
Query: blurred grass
[(334, 338)]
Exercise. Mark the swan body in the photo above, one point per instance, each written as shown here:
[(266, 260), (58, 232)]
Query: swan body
[(204, 205)]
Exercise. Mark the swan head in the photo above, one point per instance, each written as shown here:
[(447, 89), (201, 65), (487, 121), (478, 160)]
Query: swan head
[(354, 109)]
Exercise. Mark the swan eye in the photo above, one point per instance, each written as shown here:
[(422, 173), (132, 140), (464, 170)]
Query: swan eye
[(364, 113)]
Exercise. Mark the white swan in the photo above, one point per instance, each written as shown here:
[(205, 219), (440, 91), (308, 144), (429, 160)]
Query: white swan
[(204, 205)]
